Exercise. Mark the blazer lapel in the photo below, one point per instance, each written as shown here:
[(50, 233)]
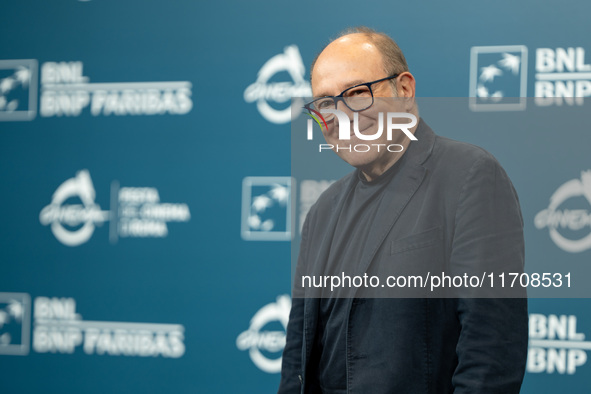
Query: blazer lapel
[(319, 264), (399, 192), (395, 199)]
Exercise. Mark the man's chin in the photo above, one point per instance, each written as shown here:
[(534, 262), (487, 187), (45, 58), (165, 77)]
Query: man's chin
[(358, 160)]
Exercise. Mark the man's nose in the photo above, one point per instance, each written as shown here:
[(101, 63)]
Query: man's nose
[(341, 106)]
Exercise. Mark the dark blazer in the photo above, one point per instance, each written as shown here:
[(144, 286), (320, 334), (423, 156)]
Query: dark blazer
[(449, 204)]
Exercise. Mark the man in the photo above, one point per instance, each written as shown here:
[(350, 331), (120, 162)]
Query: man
[(434, 203)]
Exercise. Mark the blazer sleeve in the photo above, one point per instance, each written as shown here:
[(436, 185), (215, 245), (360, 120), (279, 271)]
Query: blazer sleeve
[(291, 365), (488, 236)]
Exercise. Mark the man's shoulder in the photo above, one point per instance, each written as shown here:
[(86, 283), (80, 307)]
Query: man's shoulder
[(452, 155), (456, 165), (326, 200), (461, 151)]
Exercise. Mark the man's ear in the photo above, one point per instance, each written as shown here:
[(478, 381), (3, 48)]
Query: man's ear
[(405, 87)]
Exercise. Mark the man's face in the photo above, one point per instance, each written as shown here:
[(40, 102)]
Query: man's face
[(346, 62)]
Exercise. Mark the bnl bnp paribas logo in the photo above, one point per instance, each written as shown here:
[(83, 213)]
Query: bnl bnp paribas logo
[(499, 76), (66, 91), (57, 327), (267, 209), (271, 94), (568, 216), (555, 344), (15, 323), (73, 214), (18, 89)]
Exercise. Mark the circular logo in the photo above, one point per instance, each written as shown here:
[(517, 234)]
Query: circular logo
[(573, 219), (59, 215), (256, 339), (262, 91)]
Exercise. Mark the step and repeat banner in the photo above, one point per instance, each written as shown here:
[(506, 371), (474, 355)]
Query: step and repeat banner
[(146, 186)]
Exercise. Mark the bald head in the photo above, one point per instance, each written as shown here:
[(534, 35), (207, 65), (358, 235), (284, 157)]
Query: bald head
[(345, 62), (392, 59)]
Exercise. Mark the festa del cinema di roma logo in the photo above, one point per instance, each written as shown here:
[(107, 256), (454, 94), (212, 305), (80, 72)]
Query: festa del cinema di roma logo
[(572, 220), (345, 130), (261, 341), (73, 214), (265, 91)]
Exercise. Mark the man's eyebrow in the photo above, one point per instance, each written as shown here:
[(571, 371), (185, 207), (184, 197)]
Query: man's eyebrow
[(354, 83), (348, 85)]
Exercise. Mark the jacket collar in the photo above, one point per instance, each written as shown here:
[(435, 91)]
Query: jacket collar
[(416, 154), (409, 176)]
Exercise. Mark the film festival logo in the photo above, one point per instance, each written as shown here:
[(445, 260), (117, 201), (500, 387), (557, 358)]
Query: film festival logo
[(266, 90), (73, 214), (498, 78), (74, 224), (15, 318), (323, 116), (266, 209), (18, 89), (568, 224), (265, 338)]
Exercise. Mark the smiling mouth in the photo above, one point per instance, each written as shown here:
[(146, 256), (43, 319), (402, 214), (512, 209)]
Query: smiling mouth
[(365, 131)]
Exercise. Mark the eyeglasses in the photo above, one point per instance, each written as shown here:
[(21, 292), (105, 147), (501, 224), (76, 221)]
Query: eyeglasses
[(356, 98)]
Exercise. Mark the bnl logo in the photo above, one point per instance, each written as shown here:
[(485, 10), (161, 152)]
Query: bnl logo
[(18, 89), (555, 345), (15, 323), (266, 209), (498, 78)]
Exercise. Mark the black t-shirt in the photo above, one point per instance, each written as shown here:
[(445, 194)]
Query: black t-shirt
[(328, 358)]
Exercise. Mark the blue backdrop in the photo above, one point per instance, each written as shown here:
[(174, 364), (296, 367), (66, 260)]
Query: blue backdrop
[(147, 194)]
